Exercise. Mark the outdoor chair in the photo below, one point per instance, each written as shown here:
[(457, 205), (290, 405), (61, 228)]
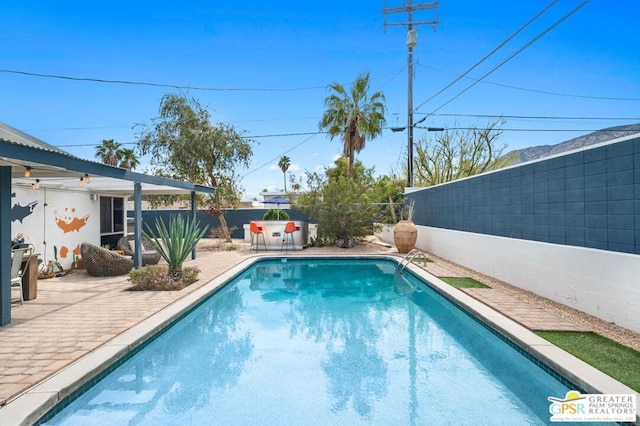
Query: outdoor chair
[(20, 258), (149, 255), (289, 229), (256, 233), (101, 262)]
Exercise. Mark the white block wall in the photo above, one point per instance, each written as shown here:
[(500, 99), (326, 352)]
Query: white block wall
[(602, 283)]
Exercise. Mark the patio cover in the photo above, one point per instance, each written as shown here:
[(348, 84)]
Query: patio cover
[(54, 166)]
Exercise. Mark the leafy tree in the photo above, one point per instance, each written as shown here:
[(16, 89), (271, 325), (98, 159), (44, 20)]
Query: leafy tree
[(353, 115), (457, 154), (389, 192), (184, 145), (275, 214), (344, 205), (108, 152), (284, 164)]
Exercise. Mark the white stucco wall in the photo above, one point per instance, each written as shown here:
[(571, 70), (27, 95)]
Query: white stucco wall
[(601, 283), (44, 231)]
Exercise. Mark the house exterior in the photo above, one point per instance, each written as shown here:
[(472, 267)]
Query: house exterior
[(57, 201), (56, 220)]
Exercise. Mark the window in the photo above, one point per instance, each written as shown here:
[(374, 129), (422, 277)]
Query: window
[(111, 215)]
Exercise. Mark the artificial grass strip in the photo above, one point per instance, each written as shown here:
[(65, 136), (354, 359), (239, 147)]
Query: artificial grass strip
[(618, 361), (465, 282), (421, 260)]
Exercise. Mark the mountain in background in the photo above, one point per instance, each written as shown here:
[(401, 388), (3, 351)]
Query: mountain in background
[(536, 152)]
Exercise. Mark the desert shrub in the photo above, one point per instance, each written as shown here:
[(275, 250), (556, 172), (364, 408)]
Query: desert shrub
[(176, 241), (157, 278), (320, 241), (345, 205)]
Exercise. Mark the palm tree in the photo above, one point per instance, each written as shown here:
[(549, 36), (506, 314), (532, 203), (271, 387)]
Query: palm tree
[(353, 115), (284, 164), (128, 159), (108, 152)]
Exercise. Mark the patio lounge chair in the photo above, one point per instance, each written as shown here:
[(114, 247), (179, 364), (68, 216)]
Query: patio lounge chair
[(149, 256), (101, 262), (20, 256)]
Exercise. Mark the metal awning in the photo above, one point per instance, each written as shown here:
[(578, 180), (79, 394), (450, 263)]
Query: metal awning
[(56, 168)]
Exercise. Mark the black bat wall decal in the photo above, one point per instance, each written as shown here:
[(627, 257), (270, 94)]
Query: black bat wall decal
[(19, 212)]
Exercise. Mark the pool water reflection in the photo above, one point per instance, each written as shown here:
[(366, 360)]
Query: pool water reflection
[(321, 342)]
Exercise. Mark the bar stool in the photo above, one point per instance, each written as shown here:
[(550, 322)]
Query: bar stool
[(289, 229), (256, 232)]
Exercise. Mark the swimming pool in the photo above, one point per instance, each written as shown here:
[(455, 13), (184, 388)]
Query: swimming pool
[(321, 342)]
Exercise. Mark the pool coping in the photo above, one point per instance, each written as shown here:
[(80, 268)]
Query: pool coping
[(29, 407)]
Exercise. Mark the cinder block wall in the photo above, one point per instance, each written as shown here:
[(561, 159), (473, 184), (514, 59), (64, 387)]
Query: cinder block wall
[(589, 198), (567, 227)]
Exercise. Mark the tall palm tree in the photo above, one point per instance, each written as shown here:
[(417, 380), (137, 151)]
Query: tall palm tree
[(128, 159), (108, 152), (284, 164), (354, 115)]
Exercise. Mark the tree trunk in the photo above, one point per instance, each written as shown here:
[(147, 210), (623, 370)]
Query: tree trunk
[(225, 229), (218, 206)]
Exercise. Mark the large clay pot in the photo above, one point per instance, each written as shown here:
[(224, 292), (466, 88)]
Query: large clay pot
[(405, 234)]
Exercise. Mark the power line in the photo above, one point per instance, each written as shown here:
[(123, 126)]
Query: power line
[(275, 135), (428, 128), (522, 117), (517, 52), (537, 117), (50, 129), (280, 155), (177, 86), (501, 45), (283, 135), (393, 77), (544, 92), (76, 128), (536, 130), (172, 86), (312, 134)]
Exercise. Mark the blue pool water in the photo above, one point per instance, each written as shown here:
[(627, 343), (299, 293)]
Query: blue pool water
[(321, 342)]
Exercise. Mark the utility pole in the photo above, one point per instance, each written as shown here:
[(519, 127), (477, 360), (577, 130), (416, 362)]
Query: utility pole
[(412, 40)]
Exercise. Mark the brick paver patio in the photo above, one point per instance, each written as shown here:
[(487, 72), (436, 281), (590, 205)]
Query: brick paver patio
[(522, 312)]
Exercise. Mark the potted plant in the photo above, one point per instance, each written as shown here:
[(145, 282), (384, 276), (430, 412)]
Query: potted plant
[(405, 233), (78, 262)]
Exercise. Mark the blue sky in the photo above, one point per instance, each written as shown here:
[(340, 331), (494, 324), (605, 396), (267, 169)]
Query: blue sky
[(273, 61)]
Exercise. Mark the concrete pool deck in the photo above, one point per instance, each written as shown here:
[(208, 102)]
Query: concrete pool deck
[(85, 321)]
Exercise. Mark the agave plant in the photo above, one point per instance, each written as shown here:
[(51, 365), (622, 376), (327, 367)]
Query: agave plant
[(175, 242)]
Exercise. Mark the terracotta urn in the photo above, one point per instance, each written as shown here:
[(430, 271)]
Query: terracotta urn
[(405, 234)]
